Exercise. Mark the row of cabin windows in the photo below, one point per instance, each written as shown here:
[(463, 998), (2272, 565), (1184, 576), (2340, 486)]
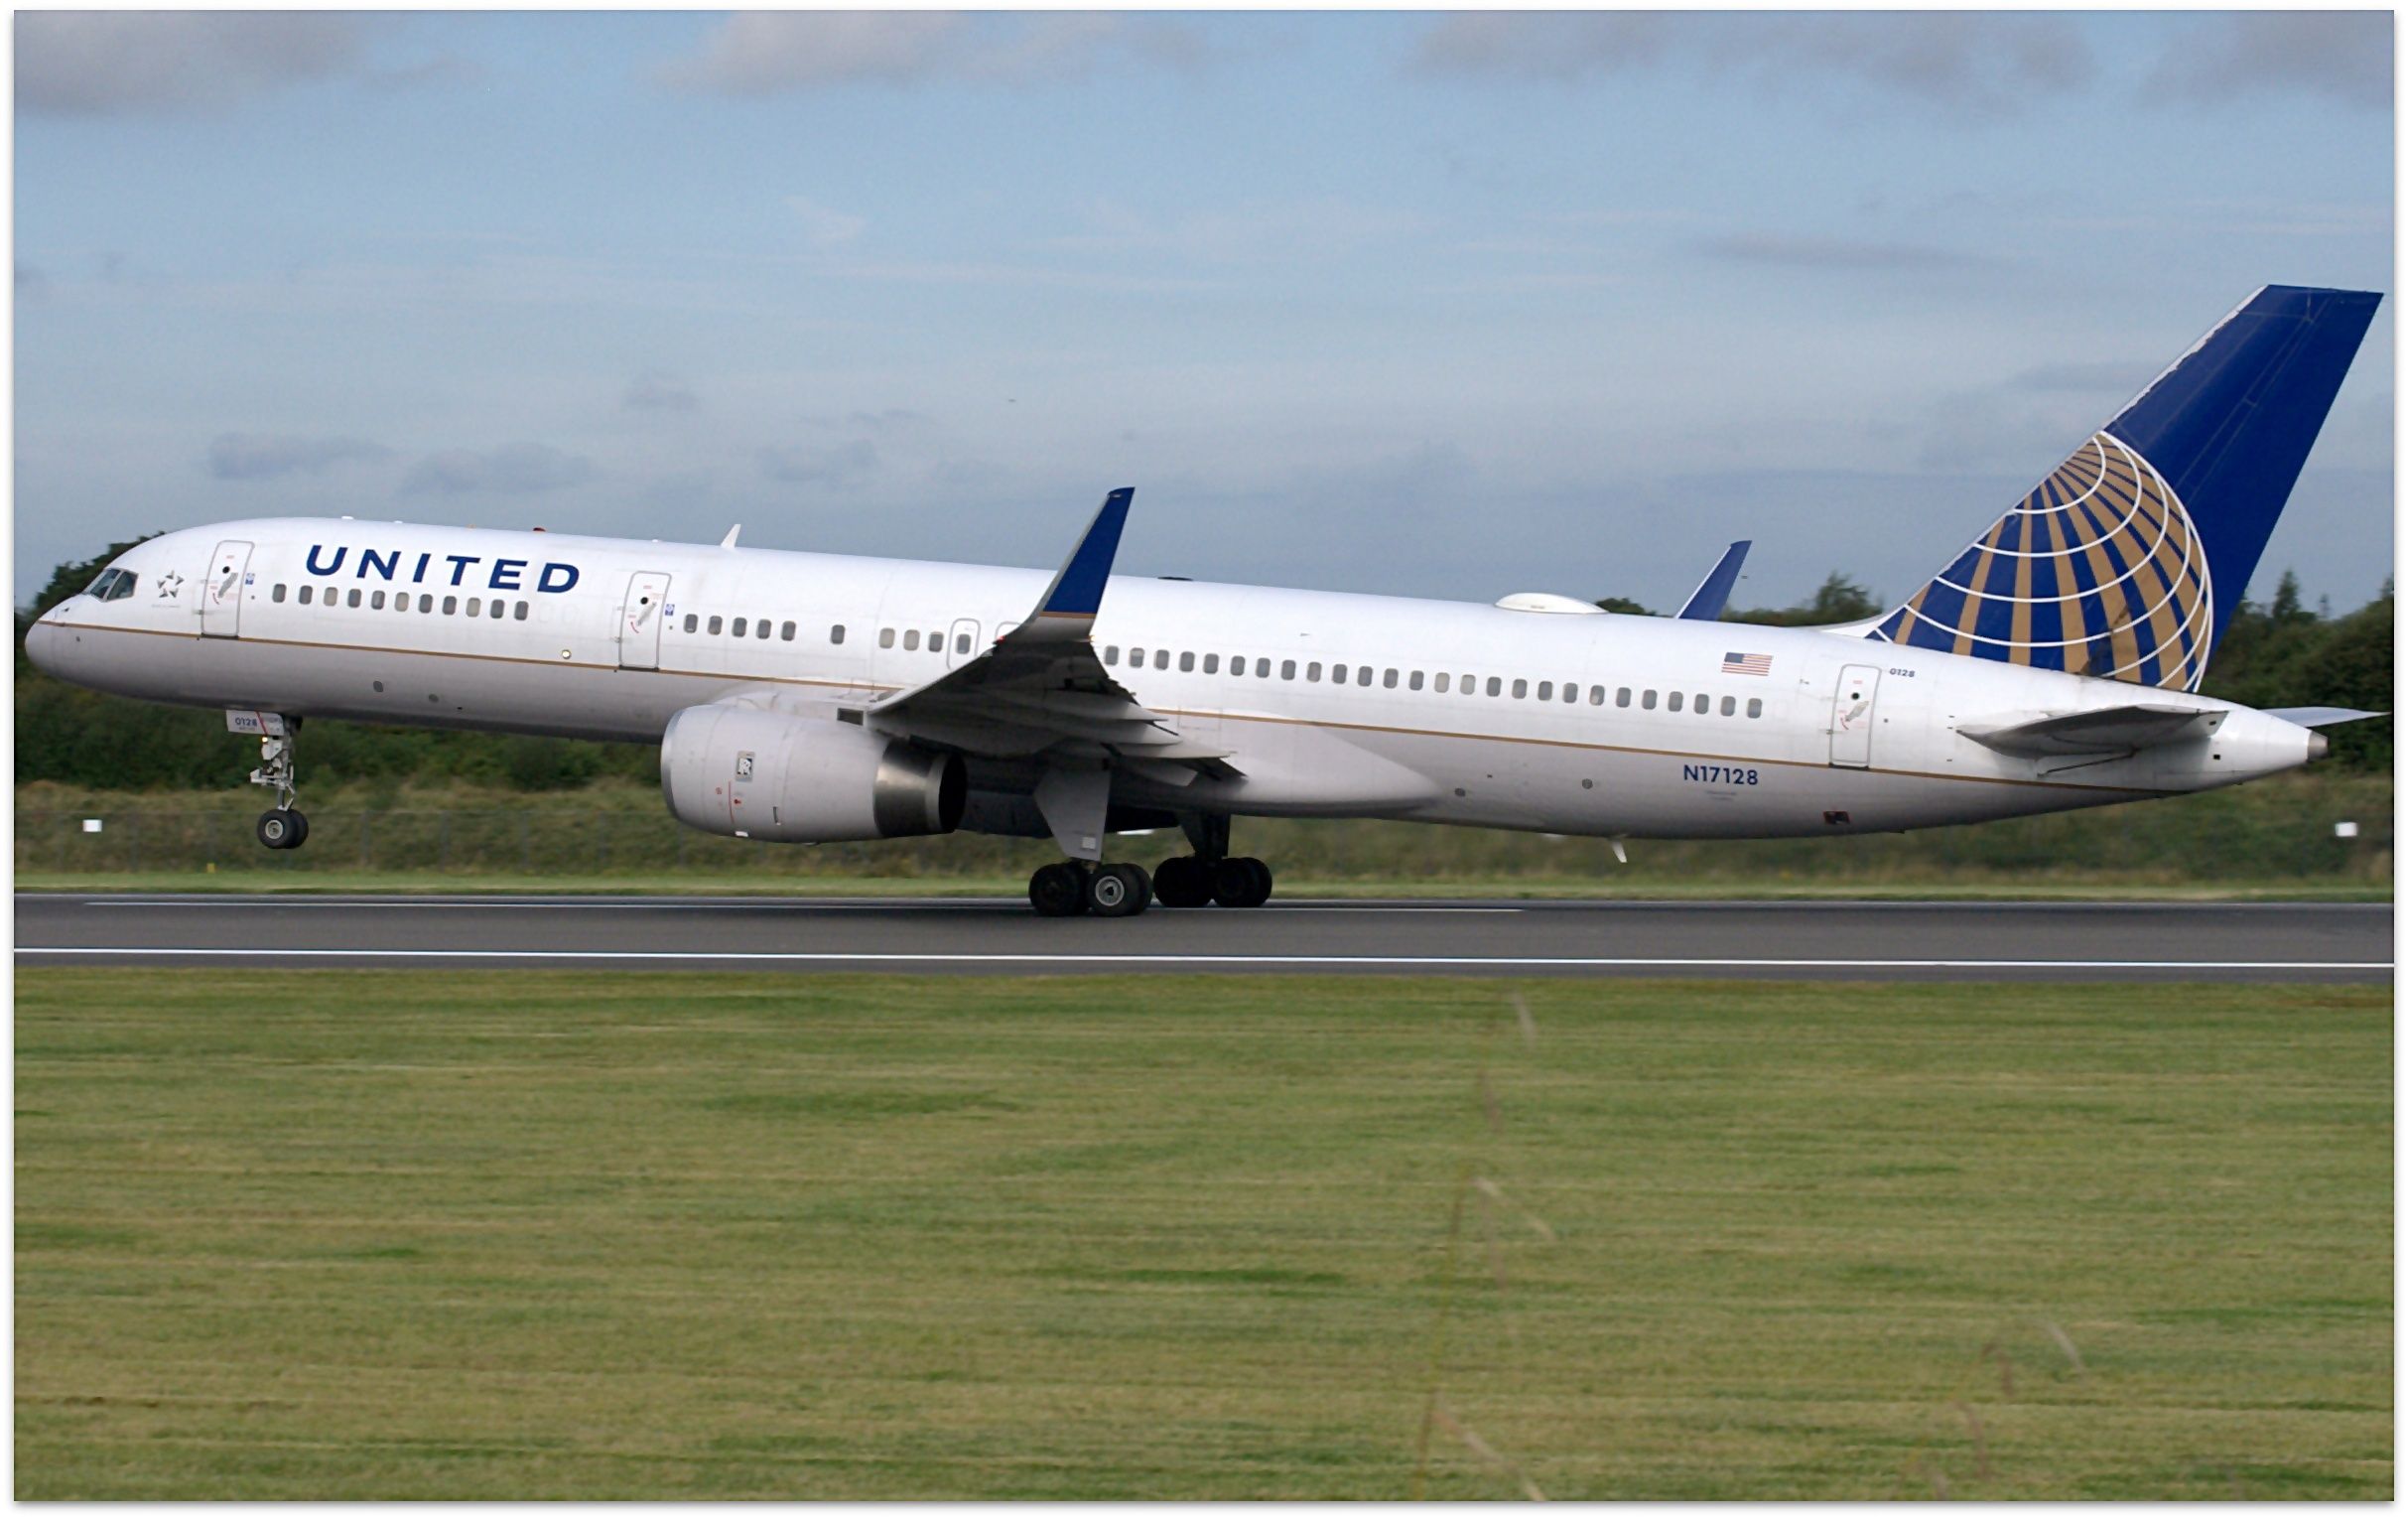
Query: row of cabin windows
[(935, 642), (748, 627), (374, 601), (1442, 682)]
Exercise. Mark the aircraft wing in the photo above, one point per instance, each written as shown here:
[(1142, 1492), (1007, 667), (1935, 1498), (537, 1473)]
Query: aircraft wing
[(1041, 685), (2102, 731), (2322, 717)]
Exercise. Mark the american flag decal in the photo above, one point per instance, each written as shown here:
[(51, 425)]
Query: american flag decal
[(1747, 665)]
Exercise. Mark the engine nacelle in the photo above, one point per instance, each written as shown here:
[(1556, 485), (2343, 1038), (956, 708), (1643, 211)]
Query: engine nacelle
[(802, 780)]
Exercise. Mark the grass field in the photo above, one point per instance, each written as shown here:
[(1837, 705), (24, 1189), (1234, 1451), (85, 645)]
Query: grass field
[(350, 1235)]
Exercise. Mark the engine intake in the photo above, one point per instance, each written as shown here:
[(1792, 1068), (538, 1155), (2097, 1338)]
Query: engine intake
[(758, 774)]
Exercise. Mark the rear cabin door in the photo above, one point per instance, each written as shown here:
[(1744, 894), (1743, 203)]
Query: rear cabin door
[(223, 593), (640, 620), (1852, 715)]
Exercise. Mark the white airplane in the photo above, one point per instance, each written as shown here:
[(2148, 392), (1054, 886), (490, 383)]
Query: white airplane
[(806, 698)]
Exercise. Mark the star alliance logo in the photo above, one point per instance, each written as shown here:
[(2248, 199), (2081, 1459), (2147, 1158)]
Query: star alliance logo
[(170, 585)]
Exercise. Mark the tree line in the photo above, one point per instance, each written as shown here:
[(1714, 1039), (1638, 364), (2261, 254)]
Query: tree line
[(2281, 653)]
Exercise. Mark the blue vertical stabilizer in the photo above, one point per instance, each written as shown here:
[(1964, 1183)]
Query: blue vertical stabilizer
[(2127, 562)]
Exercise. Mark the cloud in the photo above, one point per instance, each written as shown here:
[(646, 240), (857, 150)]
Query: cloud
[(1777, 250), (127, 62), (2081, 378), (654, 390), (824, 227), (514, 468), (766, 52), (843, 465), (2344, 56), (269, 455), (1956, 62)]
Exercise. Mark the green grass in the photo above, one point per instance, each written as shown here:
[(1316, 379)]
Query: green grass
[(352, 1235)]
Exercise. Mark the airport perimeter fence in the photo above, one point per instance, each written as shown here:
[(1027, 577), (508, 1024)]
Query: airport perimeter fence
[(2252, 834)]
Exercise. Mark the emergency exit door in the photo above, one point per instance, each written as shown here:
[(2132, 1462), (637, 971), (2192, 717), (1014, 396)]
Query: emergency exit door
[(640, 619), (1852, 715)]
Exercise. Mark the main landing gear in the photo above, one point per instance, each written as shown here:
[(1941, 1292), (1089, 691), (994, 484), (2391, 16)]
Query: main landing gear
[(281, 826), (1125, 891)]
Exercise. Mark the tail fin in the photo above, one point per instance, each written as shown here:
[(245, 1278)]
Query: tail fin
[(2128, 561)]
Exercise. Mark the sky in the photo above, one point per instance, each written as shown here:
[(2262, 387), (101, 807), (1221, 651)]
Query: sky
[(1413, 303)]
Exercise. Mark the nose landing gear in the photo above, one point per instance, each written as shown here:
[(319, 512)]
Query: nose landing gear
[(281, 826)]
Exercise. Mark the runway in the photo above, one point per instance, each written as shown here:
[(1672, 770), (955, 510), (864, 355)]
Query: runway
[(1820, 940)]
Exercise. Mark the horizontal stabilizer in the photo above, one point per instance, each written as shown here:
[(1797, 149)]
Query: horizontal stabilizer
[(2322, 717), (2102, 730), (1714, 592)]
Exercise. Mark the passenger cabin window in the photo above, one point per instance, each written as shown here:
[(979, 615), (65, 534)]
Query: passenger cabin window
[(1262, 669), (1469, 687), (1337, 674), (518, 612), (1728, 704), (426, 602), (1496, 686), (712, 627), (1672, 703), (1388, 680), (692, 621), (785, 632), (1413, 682), (960, 643), (1212, 664), (1596, 696), (1312, 671), (836, 632), (1546, 690), (1755, 706), (1440, 684), (1161, 659), (1187, 662), (305, 592), (476, 605), (450, 605), (352, 600), (760, 629), (1521, 688), (1111, 653), (1362, 674), (1287, 670), (936, 643), (376, 601), (494, 611), (1647, 700), (738, 627), (1622, 697), (885, 637), (276, 595), (1704, 707)]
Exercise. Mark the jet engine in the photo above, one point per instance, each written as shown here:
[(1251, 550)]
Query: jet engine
[(802, 780)]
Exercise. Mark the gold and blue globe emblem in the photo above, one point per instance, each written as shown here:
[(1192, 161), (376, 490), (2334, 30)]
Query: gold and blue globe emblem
[(2098, 572)]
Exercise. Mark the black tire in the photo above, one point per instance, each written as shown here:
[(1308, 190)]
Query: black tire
[(1241, 883), (1119, 890), (1183, 881), (277, 829), (301, 829), (1058, 891)]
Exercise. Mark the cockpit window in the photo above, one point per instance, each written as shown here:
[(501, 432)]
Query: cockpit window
[(113, 585)]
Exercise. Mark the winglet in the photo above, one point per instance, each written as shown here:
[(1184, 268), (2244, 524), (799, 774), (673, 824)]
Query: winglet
[(1714, 592), (1078, 589)]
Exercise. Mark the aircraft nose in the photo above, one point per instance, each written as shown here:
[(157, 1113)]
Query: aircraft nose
[(45, 645)]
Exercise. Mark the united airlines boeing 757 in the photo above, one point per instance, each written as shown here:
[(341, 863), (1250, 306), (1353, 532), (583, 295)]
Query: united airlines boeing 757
[(805, 698)]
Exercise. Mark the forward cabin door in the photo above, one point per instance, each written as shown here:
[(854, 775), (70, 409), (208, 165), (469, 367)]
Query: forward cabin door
[(640, 620), (1852, 715), (222, 594)]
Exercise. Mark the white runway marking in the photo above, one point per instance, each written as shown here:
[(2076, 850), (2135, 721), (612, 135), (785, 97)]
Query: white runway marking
[(764, 905), (1535, 962)]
